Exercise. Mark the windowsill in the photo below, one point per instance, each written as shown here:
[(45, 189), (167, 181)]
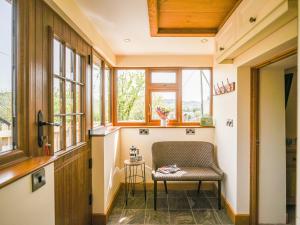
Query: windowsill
[(12, 173), (169, 126), (103, 131)]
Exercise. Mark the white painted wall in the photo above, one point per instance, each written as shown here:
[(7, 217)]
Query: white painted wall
[(105, 171), (272, 152), (130, 136), (19, 205)]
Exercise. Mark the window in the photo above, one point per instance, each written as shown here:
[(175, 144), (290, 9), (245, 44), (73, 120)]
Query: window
[(131, 95), (7, 78), (97, 94), (184, 92), (196, 94), (107, 94), (67, 96)]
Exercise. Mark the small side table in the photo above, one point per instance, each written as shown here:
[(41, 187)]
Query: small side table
[(135, 173)]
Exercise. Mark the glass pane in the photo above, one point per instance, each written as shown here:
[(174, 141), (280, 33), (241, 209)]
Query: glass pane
[(163, 77), (58, 134), (195, 96), (6, 77), (57, 95), (131, 95), (165, 100), (69, 97), (78, 68), (78, 129), (96, 95), (69, 63), (69, 131), (107, 95), (78, 98), (57, 48)]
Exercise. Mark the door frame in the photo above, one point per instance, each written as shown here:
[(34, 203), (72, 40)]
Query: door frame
[(254, 132)]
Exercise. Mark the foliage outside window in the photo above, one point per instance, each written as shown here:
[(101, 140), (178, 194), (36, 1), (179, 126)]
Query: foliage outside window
[(131, 95), (97, 94), (107, 94), (67, 96), (7, 78), (185, 92)]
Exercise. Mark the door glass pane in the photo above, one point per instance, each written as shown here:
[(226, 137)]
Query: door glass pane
[(57, 48), (57, 95), (6, 77), (166, 100), (78, 98), (58, 134), (78, 68), (69, 97), (163, 77), (69, 131), (78, 129), (69, 63), (107, 95), (97, 95), (131, 95)]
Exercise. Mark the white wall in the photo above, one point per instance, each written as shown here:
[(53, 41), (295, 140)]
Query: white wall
[(20, 206), (272, 151), (105, 171), (130, 136)]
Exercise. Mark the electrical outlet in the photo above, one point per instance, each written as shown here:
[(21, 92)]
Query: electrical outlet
[(229, 122), (190, 131), (38, 179), (143, 131)]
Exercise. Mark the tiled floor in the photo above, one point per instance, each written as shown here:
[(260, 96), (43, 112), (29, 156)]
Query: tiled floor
[(178, 207)]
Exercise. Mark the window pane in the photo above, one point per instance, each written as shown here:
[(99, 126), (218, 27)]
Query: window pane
[(78, 68), (96, 95), (57, 94), (57, 48), (78, 129), (166, 100), (58, 134), (163, 77), (69, 63), (6, 77), (195, 94), (107, 95), (69, 131), (131, 95), (78, 98), (69, 97)]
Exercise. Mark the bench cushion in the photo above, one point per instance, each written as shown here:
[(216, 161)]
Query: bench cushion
[(189, 174)]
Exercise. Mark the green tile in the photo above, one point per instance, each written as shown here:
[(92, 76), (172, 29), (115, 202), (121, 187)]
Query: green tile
[(207, 217), (161, 203), (157, 217), (181, 217), (178, 203), (132, 216), (199, 203), (224, 218), (135, 203), (194, 193)]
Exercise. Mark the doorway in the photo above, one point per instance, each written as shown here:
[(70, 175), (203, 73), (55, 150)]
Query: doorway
[(273, 141)]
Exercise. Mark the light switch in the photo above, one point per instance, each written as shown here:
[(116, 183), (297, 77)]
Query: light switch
[(38, 179)]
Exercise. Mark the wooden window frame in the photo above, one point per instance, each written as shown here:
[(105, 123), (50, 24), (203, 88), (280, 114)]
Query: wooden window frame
[(75, 84), (159, 87), (104, 65)]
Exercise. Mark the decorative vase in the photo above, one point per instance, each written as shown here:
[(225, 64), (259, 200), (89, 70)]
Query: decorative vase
[(163, 122)]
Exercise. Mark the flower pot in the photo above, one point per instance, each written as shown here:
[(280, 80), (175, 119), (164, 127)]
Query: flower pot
[(163, 123)]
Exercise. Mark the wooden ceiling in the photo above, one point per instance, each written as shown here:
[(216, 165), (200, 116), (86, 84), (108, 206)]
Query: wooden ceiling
[(183, 18)]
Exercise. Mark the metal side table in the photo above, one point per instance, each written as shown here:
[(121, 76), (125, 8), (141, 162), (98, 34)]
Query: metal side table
[(135, 173)]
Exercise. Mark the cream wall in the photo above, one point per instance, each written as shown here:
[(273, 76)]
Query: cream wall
[(105, 171), (130, 136), (165, 61), (272, 151), (19, 205)]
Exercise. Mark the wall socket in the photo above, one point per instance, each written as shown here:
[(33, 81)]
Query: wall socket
[(143, 131), (190, 131), (229, 122)]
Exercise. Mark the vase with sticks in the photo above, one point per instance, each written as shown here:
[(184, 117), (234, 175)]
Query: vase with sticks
[(163, 113)]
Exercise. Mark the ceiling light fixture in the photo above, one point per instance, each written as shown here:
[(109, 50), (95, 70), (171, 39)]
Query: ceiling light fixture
[(204, 40), (127, 40)]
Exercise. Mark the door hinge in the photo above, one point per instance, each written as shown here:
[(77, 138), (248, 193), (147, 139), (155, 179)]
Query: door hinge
[(90, 199), (90, 163)]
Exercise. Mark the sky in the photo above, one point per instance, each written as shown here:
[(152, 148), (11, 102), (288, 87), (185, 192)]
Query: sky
[(5, 46)]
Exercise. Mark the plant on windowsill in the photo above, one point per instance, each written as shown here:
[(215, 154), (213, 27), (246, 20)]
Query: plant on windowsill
[(163, 113)]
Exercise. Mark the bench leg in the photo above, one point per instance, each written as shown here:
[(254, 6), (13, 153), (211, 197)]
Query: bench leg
[(166, 188), (199, 185), (155, 193), (219, 194)]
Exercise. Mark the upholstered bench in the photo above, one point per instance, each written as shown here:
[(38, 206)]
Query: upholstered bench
[(195, 159)]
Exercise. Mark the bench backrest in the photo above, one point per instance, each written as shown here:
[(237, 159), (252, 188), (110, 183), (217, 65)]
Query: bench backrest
[(182, 153)]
